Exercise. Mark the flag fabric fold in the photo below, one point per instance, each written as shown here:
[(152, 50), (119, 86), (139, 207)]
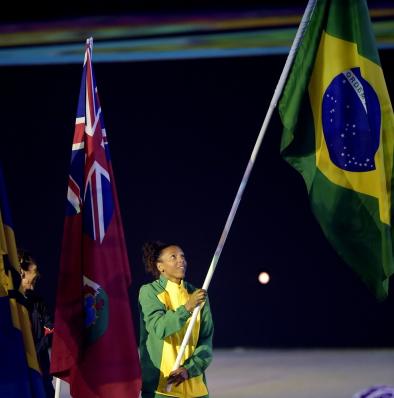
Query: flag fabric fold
[(20, 374), (338, 132), (94, 346)]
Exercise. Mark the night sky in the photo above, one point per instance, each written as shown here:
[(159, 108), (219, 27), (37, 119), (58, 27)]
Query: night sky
[(180, 135)]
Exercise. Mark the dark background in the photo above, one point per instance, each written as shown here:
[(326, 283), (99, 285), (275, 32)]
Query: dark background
[(42, 10), (180, 134)]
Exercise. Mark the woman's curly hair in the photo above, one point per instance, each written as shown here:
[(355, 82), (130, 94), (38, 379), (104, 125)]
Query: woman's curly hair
[(151, 252)]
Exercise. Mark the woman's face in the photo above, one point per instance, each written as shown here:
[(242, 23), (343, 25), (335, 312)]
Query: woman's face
[(172, 263), (29, 278)]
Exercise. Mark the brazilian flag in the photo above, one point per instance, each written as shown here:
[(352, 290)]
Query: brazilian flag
[(339, 134)]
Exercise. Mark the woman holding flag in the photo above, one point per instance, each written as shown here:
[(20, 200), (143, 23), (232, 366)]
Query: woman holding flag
[(166, 306), (40, 318)]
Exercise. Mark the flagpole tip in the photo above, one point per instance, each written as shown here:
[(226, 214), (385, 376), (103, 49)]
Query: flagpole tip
[(89, 42)]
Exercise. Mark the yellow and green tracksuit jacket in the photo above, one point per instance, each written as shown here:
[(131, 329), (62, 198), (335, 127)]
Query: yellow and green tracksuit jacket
[(163, 324)]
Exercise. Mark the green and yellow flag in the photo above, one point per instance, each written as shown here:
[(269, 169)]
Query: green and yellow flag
[(339, 134)]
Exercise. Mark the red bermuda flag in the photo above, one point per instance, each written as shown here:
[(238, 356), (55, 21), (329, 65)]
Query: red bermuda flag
[(94, 346)]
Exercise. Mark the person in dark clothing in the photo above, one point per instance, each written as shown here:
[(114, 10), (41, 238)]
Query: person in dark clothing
[(40, 318)]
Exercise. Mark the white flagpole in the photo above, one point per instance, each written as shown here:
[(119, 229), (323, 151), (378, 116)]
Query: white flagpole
[(57, 387), (275, 98)]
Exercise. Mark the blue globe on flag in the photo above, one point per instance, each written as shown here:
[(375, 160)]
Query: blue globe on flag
[(351, 119)]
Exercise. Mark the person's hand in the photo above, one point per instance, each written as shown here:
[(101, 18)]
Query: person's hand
[(195, 299), (178, 376), (48, 331)]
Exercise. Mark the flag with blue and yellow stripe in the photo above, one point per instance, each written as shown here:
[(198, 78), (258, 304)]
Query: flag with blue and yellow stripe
[(20, 375), (339, 134)]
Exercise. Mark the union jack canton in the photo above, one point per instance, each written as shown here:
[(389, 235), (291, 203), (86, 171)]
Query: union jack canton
[(89, 183)]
